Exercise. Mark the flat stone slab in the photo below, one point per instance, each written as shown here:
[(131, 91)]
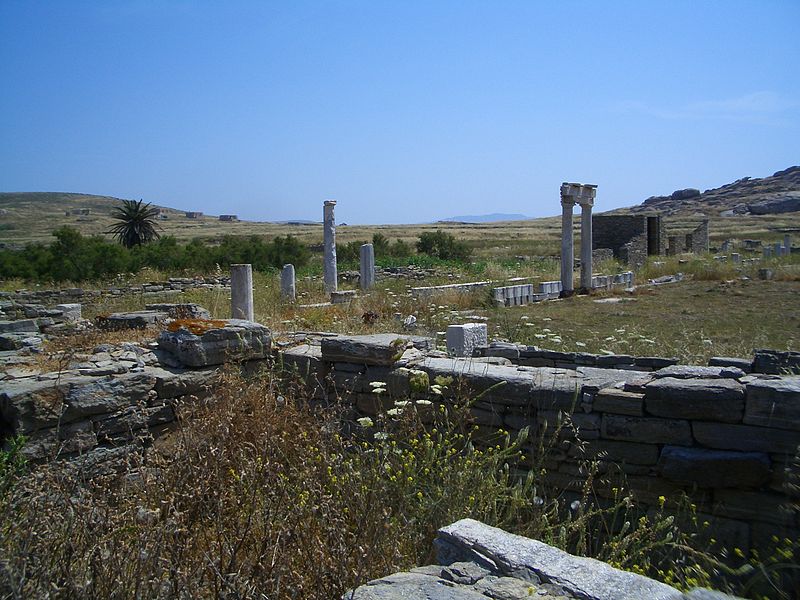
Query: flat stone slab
[(719, 400), (19, 326), (235, 340), (692, 372), (532, 560), (378, 349)]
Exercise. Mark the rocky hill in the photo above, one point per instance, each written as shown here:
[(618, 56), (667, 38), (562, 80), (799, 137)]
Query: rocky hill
[(779, 193)]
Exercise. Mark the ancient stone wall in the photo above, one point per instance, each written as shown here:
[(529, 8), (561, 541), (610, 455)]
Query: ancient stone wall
[(722, 437), (625, 235), (697, 240)]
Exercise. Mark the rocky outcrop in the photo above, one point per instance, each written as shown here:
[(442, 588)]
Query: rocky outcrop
[(779, 193)]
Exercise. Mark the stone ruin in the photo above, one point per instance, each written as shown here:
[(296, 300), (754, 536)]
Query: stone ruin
[(632, 238), (724, 435)]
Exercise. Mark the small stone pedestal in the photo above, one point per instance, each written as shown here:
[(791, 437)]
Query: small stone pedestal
[(463, 339)]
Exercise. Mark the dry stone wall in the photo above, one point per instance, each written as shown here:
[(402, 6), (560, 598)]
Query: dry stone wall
[(723, 438)]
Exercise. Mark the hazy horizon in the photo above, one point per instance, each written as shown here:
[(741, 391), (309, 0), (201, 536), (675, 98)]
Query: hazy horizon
[(403, 113)]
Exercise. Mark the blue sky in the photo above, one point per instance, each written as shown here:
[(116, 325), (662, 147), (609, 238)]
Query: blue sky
[(402, 111)]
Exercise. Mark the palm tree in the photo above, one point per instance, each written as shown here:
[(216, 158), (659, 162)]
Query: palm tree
[(136, 224)]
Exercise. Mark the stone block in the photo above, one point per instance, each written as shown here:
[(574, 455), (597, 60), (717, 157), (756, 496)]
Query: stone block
[(469, 540), (693, 372), (714, 399), (746, 438), (654, 362), (764, 507), (377, 349), (106, 395), (646, 430), (714, 468), (613, 400), (27, 405), (629, 452), (237, 340), (131, 320), (463, 339), (614, 360), (773, 403), (745, 364), (19, 326), (775, 362), (70, 312), (59, 441), (343, 296), (502, 350), (176, 383)]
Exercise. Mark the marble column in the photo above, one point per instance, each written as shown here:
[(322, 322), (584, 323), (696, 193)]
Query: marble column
[(242, 292), (367, 266), (787, 244), (329, 271), (567, 250), (288, 289), (586, 245)]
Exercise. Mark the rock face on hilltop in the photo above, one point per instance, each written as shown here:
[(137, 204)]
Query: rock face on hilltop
[(779, 193)]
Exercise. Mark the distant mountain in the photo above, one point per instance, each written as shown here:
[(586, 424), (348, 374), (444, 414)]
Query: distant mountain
[(490, 218), (778, 193)]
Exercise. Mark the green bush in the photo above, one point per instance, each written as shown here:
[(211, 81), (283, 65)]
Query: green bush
[(74, 257), (443, 245)]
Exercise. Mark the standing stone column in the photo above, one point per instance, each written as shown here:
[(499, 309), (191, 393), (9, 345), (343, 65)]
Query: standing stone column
[(778, 249), (567, 250), (586, 244), (242, 292), (329, 271), (367, 266), (288, 289), (787, 244)]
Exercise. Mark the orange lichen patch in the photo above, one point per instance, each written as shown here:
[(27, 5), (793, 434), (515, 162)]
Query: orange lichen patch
[(196, 326)]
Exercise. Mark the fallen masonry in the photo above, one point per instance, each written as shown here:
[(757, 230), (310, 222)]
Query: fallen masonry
[(477, 561)]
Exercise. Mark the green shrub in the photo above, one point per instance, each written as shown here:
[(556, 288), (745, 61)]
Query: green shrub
[(443, 245)]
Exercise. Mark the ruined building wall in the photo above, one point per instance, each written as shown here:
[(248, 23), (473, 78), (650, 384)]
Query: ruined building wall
[(625, 235), (723, 438), (697, 240)]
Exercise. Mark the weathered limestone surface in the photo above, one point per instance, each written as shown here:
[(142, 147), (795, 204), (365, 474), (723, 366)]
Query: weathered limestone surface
[(693, 372), (713, 399), (378, 349), (774, 403), (237, 340), (463, 339), (512, 555), (728, 436)]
